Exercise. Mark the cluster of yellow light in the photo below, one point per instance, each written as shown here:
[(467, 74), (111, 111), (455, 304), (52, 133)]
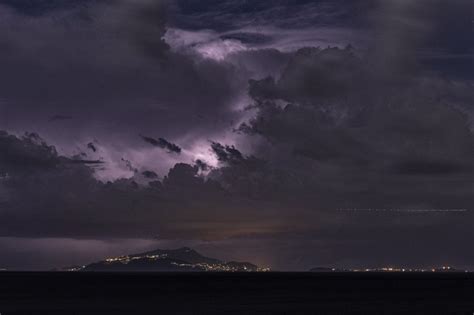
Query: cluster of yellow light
[(79, 268), (126, 259), (201, 266), (122, 259), (214, 267)]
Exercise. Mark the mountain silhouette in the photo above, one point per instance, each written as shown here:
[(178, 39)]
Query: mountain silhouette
[(161, 260)]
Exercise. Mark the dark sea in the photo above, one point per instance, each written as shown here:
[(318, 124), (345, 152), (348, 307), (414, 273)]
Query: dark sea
[(234, 293)]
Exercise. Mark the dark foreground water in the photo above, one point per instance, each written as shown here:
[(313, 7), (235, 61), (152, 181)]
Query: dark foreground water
[(272, 293)]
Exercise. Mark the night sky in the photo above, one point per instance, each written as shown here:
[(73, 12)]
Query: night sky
[(292, 134)]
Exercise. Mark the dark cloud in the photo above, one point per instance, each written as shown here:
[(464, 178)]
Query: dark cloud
[(227, 154), (65, 199), (436, 32), (314, 73), (30, 152), (90, 162), (149, 27), (60, 118), (91, 146), (150, 174), (39, 7), (162, 143), (334, 118), (230, 157), (203, 166), (114, 74), (212, 14), (429, 168), (151, 141)]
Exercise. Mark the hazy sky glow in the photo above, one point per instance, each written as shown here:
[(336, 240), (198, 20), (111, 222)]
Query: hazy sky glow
[(288, 133)]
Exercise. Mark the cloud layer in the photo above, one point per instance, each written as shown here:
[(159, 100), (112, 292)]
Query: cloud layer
[(220, 123)]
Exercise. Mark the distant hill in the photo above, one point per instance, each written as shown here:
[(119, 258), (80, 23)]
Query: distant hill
[(175, 260)]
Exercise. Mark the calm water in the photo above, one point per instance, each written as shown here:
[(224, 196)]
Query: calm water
[(202, 293)]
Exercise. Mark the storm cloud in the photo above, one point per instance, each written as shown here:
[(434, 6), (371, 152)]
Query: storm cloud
[(107, 66), (314, 128), (162, 143)]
